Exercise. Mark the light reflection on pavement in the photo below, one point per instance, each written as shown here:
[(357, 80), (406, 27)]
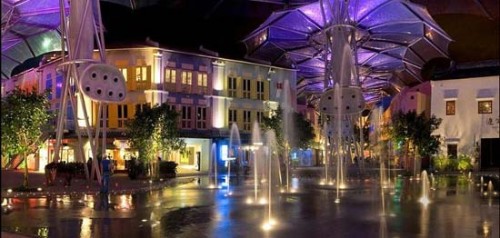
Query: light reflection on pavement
[(194, 210)]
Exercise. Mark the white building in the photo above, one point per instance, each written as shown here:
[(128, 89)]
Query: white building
[(469, 108)]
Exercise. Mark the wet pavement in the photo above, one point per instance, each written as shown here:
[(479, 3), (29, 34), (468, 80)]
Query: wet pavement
[(457, 208)]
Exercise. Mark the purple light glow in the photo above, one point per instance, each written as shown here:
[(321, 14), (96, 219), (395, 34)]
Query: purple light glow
[(391, 42)]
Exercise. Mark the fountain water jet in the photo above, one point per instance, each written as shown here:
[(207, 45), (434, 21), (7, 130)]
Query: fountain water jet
[(425, 188), (340, 180), (481, 184), (432, 182), (490, 187), (490, 191), (270, 148), (212, 172), (288, 110), (326, 135), (256, 144), (344, 102), (234, 144)]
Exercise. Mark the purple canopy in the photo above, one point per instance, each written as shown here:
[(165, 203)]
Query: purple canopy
[(394, 39), (31, 28)]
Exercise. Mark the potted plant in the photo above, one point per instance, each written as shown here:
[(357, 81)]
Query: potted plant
[(464, 163), (67, 171), (135, 168), (168, 169), (50, 173)]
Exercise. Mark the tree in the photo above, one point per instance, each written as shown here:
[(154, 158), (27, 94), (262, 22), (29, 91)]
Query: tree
[(25, 117), (154, 130), (303, 132), (415, 131)]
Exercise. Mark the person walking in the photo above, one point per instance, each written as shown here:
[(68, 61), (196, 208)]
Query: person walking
[(106, 168)]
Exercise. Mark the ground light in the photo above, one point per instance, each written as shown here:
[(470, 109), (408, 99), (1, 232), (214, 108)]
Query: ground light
[(269, 224), (424, 200)]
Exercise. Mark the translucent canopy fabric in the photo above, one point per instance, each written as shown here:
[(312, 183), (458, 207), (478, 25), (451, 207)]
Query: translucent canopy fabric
[(29, 47), (394, 39), (31, 28)]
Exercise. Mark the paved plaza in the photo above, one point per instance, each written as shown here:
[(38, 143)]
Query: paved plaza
[(188, 207)]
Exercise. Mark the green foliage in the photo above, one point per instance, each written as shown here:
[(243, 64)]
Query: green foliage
[(462, 181), (444, 162), (441, 181), (274, 122), (441, 162), (25, 115), (416, 129), (366, 133), (155, 130), (168, 168), (453, 164), (302, 131), (464, 162), (136, 168), (303, 134)]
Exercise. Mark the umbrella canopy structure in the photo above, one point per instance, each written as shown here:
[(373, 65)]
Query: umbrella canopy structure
[(29, 29), (393, 41), (32, 27)]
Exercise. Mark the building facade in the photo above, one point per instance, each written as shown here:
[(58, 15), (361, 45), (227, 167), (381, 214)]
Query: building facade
[(417, 98), (209, 93), (469, 108)]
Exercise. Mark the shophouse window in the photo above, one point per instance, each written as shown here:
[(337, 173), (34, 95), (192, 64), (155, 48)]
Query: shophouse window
[(142, 78), (172, 107), (259, 117), (247, 123), (246, 88), (170, 79), (452, 150), (186, 117), (232, 117), (201, 118), (202, 82), (450, 107), (101, 117), (59, 85), (231, 87), (187, 81), (141, 107), (260, 90), (122, 115), (141, 74), (70, 118), (124, 73), (485, 107), (48, 85), (170, 75)]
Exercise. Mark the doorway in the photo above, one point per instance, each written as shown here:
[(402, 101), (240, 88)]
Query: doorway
[(490, 154)]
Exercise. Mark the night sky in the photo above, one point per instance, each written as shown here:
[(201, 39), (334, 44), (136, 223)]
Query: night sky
[(186, 25), (221, 25)]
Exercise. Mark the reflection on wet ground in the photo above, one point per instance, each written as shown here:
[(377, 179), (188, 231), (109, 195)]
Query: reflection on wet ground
[(457, 208)]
